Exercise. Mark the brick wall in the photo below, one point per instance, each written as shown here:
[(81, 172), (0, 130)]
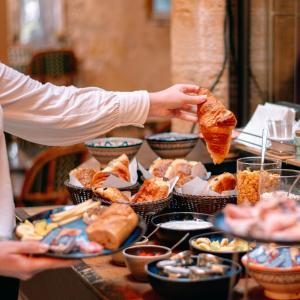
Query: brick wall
[(119, 46), (197, 47)]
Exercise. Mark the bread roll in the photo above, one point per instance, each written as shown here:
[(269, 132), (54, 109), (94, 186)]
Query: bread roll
[(159, 167), (216, 124), (181, 168), (113, 226), (222, 183)]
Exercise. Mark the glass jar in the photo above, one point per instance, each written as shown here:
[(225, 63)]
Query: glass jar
[(249, 170)]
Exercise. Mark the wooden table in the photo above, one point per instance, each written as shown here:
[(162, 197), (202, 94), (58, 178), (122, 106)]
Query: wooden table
[(108, 281)]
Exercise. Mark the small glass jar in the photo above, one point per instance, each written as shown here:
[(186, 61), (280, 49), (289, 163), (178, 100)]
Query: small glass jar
[(249, 171)]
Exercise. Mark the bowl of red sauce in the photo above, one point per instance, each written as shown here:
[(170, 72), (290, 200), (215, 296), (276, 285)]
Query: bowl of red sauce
[(137, 257)]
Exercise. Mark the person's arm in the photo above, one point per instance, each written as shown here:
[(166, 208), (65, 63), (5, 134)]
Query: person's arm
[(52, 115), (16, 260)]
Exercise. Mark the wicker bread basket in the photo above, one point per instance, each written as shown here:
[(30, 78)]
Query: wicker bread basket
[(81, 194), (200, 204)]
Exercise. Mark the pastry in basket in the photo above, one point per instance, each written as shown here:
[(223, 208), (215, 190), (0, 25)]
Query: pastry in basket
[(119, 167), (113, 226), (84, 176), (216, 124), (112, 194), (153, 189), (181, 168), (159, 167), (222, 183)]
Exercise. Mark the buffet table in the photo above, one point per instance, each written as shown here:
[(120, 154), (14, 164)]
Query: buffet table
[(98, 278)]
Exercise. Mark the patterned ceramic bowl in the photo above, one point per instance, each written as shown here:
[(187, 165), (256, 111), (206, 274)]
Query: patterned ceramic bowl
[(106, 149), (278, 283), (172, 144)]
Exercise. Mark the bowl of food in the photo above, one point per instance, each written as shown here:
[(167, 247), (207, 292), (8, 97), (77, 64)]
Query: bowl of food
[(173, 226), (137, 257), (276, 269), (109, 148), (207, 275), (172, 144), (220, 244), (118, 258)]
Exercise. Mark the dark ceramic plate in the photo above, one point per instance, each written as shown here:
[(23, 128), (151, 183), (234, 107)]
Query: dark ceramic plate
[(172, 137), (219, 223), (79, 224)]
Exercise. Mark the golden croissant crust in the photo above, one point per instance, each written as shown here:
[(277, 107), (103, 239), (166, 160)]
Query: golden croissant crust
[(216, 124)]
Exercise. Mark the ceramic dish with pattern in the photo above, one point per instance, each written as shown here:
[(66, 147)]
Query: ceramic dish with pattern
[(107, 149), (172, 144)]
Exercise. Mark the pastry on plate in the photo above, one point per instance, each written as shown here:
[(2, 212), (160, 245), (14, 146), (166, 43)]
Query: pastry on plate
[(153, 189), (216, 124), (222, 183), (84, 176), (159, 167), (113, 226)]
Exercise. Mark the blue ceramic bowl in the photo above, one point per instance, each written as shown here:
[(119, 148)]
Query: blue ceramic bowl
[(217, 287), (107, 149), (172, 144)]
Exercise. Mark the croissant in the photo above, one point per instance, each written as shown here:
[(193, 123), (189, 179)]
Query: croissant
[(119, 167), (216, 124), (112, 194)]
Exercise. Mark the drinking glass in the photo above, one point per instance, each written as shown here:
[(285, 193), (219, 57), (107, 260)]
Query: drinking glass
[(281, 181), (248, 177), (281, 130)]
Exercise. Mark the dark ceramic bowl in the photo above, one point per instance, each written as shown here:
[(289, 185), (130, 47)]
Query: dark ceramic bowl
[(217, 236), (171, 236), (218, 287), (172, 144), (107, 149)]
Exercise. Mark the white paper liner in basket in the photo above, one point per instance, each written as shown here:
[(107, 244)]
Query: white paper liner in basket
[(200, 187), (111, 180)]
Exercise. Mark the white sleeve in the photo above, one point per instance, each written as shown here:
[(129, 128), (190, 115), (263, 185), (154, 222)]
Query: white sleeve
[(53, 115)]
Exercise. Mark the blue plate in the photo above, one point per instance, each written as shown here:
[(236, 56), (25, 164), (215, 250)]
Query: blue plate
[(79, 224), (219, 222)]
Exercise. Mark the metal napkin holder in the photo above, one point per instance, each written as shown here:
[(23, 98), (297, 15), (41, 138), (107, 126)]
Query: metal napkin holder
[(277, 147)]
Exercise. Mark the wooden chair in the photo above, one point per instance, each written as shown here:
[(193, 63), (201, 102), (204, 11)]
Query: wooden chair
[(56, 66), (44, 181)]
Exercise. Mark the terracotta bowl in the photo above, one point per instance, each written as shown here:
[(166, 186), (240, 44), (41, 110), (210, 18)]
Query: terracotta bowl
[(118, 258), (278, 283), (172, 144), (136, 264), (106, 149)]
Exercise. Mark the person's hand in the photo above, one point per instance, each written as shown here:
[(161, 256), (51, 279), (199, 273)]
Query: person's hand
[(16, 262), (176, 102)]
